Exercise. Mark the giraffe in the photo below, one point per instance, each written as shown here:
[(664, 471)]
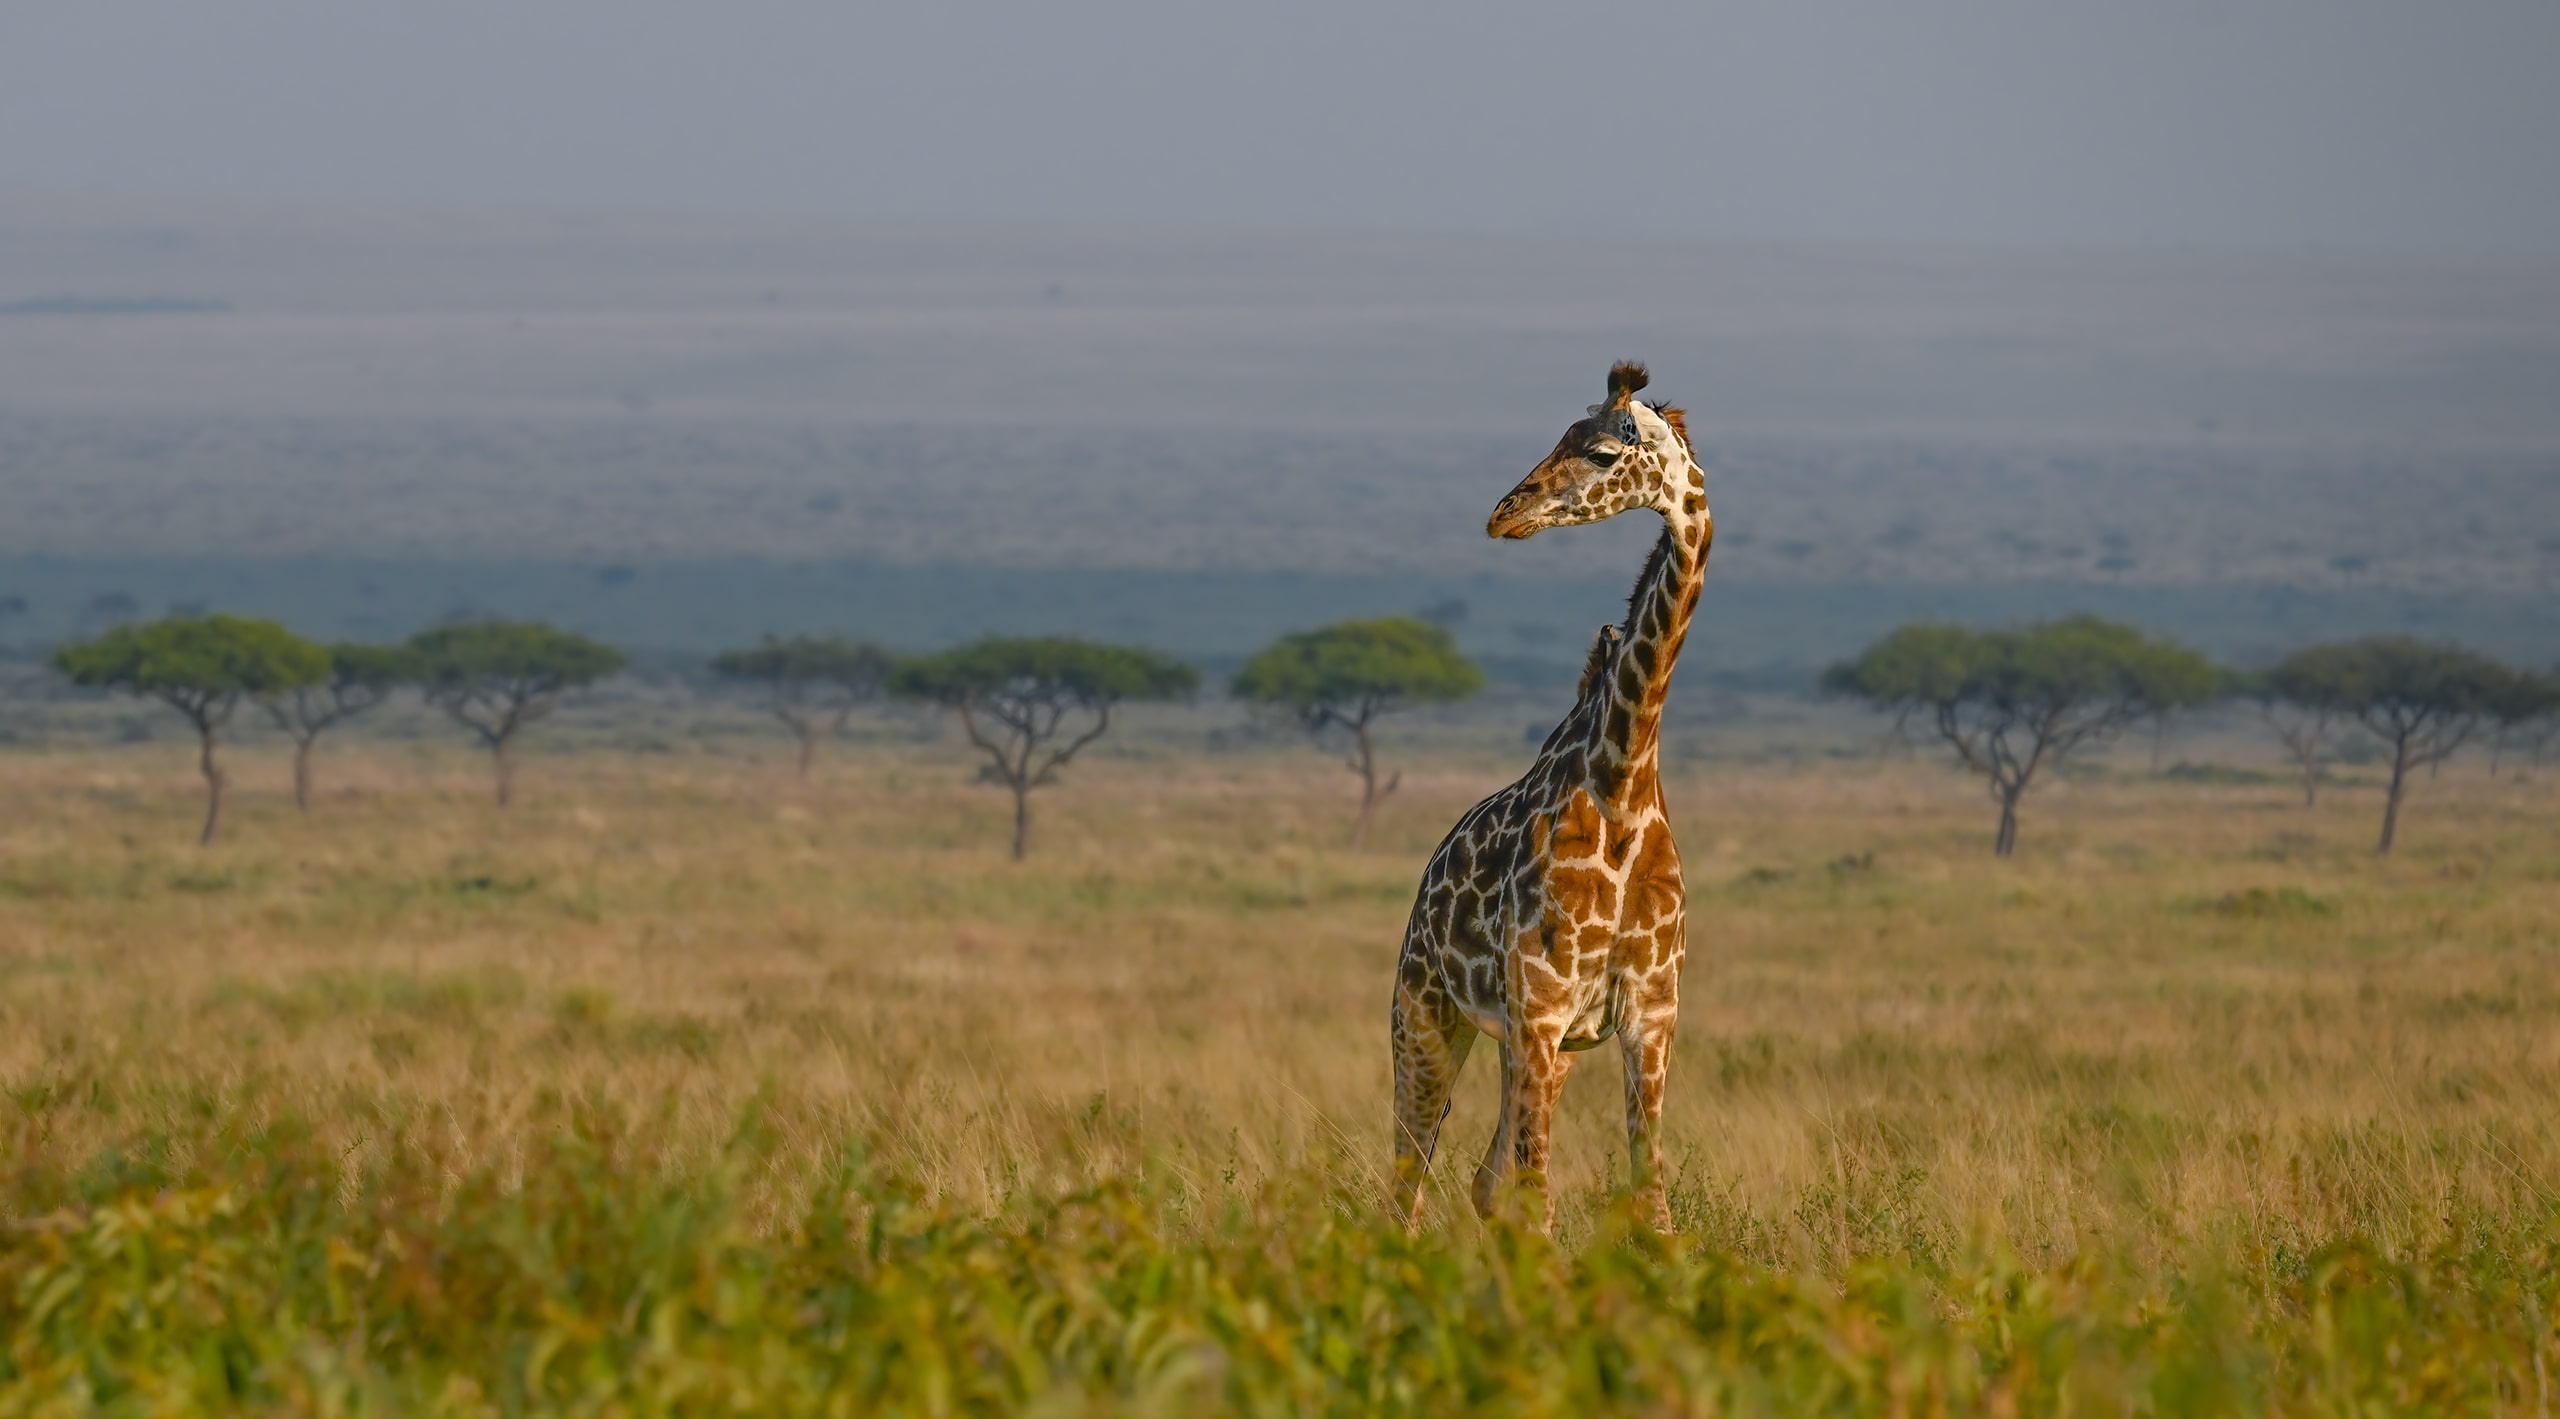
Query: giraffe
[(1553, 917)]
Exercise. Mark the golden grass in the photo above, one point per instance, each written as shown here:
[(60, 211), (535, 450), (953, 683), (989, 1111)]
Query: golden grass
[(2186, 1016)]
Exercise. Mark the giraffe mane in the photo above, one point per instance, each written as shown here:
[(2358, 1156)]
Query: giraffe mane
[(1652, 564), (1604, 649), (1678, 419)]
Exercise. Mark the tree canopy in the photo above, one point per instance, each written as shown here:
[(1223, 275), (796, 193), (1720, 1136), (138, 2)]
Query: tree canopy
[(1019, 699), (817, 661), (1345, 675), (2422, 699), (195, 661), (2011, 701), (812, 683), (1344, 671), (496, 677), (1049, 669), (2526, 711), (360, 678), (201, 666)]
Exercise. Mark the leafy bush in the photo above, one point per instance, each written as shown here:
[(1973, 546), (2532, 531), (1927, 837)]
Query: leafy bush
[(274, 1275)]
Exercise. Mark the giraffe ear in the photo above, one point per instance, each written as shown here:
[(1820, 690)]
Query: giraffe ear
[(1625, 378)]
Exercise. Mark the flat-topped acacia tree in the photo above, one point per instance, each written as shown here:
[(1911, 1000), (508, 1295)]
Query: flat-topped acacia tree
[(2010, 702), (2304, 723), (2423, 700), (1343, 677), (360, 678), (202, 667), (1030, 705), (811, 683), (2524, 714), (496, 677)]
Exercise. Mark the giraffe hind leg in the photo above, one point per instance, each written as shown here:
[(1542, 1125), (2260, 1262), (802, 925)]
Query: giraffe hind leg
[(1431, 1042), (1497, 1153)]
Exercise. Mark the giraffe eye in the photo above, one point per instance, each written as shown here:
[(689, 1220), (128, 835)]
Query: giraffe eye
[(1603, 458)]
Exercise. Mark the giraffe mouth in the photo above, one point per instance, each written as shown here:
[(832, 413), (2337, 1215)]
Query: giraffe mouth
[(1513, 521)]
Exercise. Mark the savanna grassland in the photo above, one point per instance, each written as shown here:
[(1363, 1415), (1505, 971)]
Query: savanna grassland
[(677, 1088)]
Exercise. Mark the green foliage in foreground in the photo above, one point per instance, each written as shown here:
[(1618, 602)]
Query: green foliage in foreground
[(272, 1274)]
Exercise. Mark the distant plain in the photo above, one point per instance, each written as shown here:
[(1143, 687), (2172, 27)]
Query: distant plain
[(922, 431)]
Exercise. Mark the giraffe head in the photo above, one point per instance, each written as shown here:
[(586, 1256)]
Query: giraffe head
[(1624, 455)]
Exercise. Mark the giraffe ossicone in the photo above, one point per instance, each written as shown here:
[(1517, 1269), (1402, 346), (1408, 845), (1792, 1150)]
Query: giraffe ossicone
[(1553, 917)]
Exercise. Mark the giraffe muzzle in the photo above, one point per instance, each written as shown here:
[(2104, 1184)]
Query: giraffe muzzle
[(1516, 517)]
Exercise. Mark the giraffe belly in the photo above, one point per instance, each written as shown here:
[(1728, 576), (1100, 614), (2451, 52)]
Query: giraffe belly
[(1592, 1023)]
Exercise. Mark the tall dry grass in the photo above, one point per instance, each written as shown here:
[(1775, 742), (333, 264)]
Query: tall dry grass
[(2186, 1018)]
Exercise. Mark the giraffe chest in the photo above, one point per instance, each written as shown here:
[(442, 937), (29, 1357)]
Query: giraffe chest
[(1582, 907)]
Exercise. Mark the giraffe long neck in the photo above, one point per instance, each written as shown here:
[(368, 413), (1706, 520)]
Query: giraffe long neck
[(1657, 625)]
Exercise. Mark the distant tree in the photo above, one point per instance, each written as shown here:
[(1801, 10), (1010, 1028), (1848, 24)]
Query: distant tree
[(811, 683), (496, 677), (360, 678), (2303, 721), (2178, 685), (2423, 701), (1907, 673), (200, 666), (1448, 613), (1343, 677), (2524, 712), (111, 608), (1031, 705), (2009, 702)]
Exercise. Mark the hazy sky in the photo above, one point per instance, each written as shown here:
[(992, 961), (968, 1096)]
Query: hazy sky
[(2364, 122)]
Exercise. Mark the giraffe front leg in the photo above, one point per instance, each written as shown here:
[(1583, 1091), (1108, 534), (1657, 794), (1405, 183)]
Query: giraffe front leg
[(1536, 1080), (1644, 1048), (1649, 1013), (1431, 1043)]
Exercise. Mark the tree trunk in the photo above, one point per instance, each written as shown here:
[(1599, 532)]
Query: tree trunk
[(1021, 821), (212, 787), (2311, 784), (2007, 840), (302, 773), (1366, 765), (506, 771), (2391, 805), (2159, 740), (808, 751)]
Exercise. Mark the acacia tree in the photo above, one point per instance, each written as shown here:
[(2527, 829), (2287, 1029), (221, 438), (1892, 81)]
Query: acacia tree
[(2302, 719), (811, 683), (200, 666), (1343, 677), (2009, 702), (2178, 685), (1905, 674), (496, 677), (1030, 705), (2422, 700), (2524, 712), (360, 677)]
